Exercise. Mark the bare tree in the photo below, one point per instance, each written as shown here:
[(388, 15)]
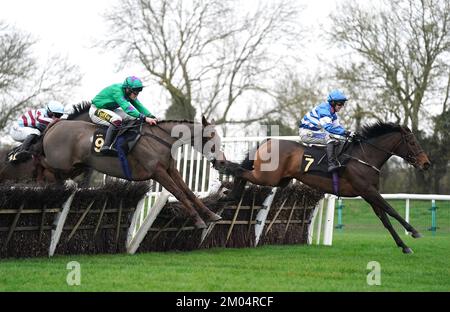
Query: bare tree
[(295, 95), (399, 54), (24, 80), (206, 54)]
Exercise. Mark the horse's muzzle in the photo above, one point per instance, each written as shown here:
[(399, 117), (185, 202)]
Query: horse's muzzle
[(422, 162)]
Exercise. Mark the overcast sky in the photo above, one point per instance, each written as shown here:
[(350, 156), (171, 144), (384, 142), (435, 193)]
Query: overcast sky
[(71, 28)]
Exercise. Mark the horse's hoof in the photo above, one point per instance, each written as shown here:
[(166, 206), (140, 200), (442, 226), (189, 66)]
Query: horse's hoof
[(407, 250), (200, 224), (416, 235)]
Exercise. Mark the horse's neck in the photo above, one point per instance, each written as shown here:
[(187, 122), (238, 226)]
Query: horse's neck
[(179, 131), (379, 149)]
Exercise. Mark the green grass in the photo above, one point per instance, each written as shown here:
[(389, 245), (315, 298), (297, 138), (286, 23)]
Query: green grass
[(341, 267)]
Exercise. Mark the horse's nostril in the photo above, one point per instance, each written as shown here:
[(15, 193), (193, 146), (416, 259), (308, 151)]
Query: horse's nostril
[(426, 166)]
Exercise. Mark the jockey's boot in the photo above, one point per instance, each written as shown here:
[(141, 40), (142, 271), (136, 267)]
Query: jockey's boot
[(333, 163), (110, 136), (26, 144)]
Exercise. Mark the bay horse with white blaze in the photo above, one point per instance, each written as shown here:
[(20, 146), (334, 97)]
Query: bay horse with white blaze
[(360, 177)]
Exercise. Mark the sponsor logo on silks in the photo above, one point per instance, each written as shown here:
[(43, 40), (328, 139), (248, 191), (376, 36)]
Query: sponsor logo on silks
[(131, 108), (103, 115)]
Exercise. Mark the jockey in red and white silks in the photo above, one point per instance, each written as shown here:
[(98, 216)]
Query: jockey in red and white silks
[(30, 125), (32, 122)]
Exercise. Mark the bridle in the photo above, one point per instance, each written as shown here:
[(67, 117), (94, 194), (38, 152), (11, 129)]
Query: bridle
[(410, 157), (405, 138)]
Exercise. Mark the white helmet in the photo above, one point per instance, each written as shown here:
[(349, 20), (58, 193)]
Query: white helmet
[(55, 107)]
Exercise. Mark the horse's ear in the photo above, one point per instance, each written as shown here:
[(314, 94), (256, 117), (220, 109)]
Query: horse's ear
[(204, 121)]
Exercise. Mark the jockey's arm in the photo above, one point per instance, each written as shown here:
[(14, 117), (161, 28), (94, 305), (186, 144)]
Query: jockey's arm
[(332, 127), (126, 106), (149, 117), (136, 110), (142, 109)]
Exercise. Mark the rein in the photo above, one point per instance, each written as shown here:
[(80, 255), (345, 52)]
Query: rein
[(157, 138), (404, 139)]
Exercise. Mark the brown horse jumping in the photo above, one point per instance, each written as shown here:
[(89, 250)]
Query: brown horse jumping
[(68, 151), (30, 169), (360, 177)]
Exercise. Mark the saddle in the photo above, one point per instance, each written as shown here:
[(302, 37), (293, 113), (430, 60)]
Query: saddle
[(315, 159), (126, 139)]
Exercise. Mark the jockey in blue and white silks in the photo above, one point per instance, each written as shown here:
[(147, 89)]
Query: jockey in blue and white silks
[(321, 126), (322, 117)]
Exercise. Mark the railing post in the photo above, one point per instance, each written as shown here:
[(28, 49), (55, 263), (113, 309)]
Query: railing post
[(407, 214), (319, 221), (340, 207), (433, 217)]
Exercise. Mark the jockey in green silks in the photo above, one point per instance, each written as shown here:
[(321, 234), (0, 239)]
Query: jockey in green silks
[(117, 103)]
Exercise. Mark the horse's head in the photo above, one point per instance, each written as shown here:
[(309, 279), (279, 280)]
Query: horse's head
[(410, 150), (211, 143)]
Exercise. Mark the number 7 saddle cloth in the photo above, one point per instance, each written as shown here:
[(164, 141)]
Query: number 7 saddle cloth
[(315, 160)]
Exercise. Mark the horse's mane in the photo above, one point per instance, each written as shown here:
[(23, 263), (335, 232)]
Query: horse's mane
[(379, 128), (79, 109)]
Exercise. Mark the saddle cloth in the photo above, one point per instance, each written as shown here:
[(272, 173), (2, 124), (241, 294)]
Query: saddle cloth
[(125, 140), (315, 160)]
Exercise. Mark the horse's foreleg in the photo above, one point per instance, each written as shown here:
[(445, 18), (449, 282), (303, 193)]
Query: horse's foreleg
[(255, 176), (238, 188), (198, 204), (393, 213), (162, 176), (380, 211)]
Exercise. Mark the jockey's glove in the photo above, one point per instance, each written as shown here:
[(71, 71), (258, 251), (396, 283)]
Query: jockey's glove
[(350, 134)]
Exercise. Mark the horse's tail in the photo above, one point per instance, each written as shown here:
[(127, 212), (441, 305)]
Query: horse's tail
[(246, 164)]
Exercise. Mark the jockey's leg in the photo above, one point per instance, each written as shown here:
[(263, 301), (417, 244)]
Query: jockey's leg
[(26, 135), (333, 163), (108, 118), (117, 117), (333, 141), (110, 136), (29, 140)]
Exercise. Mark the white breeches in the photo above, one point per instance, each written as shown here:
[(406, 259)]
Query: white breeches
[(19, 133), (106, 117), (318, 137)]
